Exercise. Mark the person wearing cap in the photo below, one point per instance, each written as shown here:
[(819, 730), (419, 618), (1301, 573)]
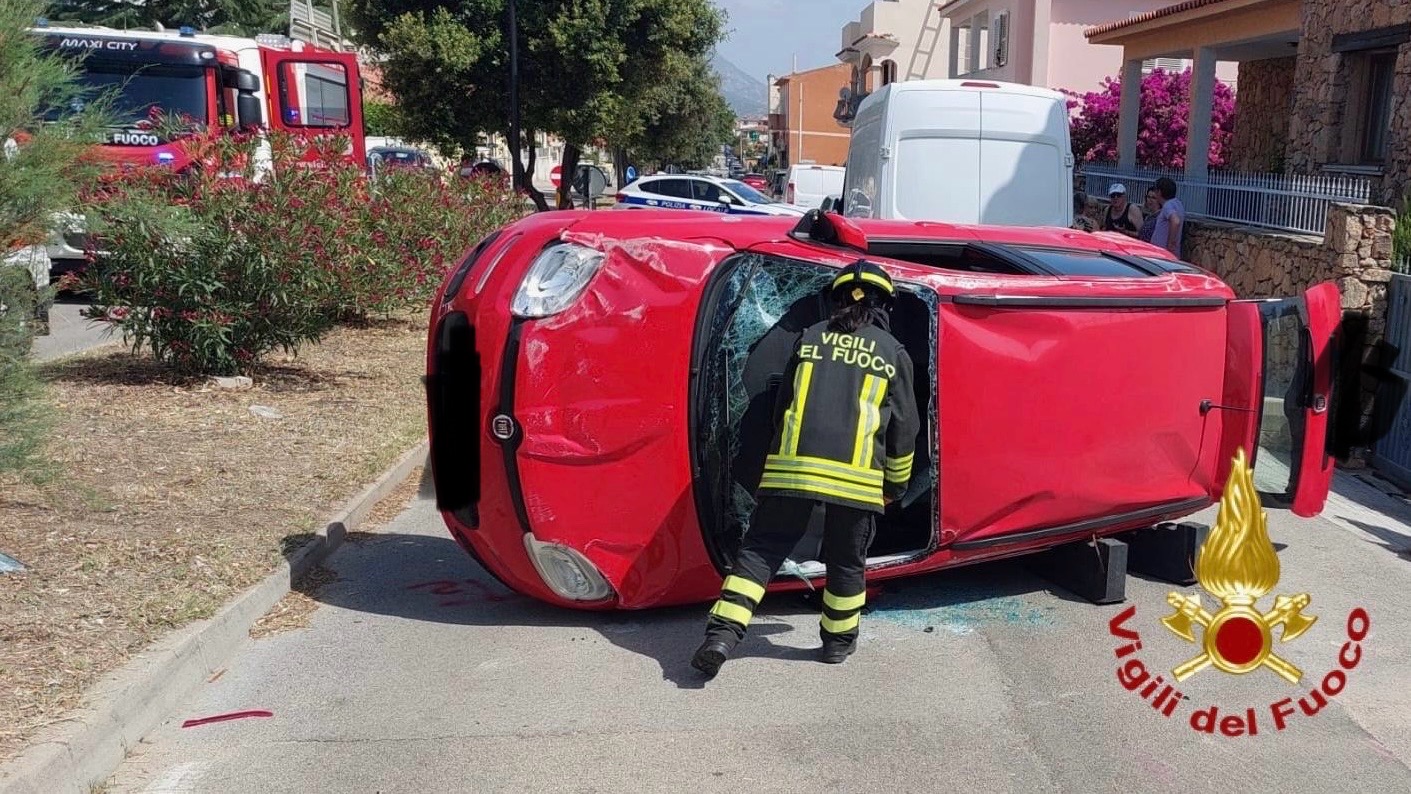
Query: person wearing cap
[(1122, 215), (845, 432)]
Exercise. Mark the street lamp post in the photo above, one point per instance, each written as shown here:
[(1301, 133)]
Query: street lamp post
[(517, 168)]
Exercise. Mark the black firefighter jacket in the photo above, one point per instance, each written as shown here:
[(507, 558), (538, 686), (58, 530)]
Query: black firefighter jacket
[(845, 420)]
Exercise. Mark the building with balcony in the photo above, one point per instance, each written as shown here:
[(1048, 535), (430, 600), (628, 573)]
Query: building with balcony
[(1034, 42), (802, 121)]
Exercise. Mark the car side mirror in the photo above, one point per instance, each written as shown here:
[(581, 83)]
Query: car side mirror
[(251, 114), (726, 199), (242, 80)]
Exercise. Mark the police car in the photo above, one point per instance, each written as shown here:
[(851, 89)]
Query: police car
[(699, 192)]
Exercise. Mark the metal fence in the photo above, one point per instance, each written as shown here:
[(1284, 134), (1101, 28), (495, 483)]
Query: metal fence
[(1288, 202)]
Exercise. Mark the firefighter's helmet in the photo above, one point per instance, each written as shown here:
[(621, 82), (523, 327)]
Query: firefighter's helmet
[(859, 278)]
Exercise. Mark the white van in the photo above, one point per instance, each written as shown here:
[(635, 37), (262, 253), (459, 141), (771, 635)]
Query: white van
[(961, 151), (809, 184)]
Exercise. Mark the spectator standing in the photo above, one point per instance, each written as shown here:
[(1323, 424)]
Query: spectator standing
[(1152, 205), (1171, 221), (1122, 215), (1081, 221)]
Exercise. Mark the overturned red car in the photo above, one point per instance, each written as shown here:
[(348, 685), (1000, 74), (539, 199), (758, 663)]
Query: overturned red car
[(599, 389)]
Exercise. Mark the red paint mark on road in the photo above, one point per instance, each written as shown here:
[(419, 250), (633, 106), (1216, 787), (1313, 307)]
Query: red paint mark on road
[(234, 715), (447, 587)]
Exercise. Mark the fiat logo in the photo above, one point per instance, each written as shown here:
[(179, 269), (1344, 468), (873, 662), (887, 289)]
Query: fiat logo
[(502, 427)]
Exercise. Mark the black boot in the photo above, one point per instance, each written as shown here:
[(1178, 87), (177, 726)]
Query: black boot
[(710, 656), (836, 652)]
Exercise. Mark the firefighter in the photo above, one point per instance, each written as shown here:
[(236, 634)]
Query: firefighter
[(845, 431)]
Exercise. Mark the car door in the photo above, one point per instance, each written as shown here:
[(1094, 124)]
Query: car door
[(317, 94), (707, 196), (1280, 362)]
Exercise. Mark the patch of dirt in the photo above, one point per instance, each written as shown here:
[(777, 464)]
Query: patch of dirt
[(174, 496)]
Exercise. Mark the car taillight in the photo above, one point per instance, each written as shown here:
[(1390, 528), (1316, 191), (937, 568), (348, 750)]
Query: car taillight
[(789, 194)]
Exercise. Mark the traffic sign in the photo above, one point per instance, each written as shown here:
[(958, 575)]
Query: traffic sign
[(556, 175)]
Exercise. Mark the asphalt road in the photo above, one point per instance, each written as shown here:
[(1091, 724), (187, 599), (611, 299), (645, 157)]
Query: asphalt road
[(69, 332), (985, 679)]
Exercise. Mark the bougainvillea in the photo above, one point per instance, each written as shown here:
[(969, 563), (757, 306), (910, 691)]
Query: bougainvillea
[(1161, 131)]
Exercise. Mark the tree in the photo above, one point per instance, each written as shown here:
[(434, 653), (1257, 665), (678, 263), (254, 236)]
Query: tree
[(234, 17), (1161, 130), (684, 122), (42, 169), (589, 68)]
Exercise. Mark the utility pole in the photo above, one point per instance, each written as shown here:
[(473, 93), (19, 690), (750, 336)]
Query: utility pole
[(516, 167)]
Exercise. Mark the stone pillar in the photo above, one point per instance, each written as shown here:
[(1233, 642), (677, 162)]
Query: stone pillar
[(1129, 114), (1198, 127)]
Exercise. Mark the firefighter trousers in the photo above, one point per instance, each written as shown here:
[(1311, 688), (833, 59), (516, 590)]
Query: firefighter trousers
[(778, 523)]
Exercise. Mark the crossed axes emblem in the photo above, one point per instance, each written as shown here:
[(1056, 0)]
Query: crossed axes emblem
[(1287, 611)]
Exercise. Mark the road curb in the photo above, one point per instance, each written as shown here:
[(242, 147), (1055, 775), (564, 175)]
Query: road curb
[(85, 748)]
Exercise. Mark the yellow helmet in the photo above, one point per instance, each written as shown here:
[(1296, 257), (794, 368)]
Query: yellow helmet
[(852, 284)]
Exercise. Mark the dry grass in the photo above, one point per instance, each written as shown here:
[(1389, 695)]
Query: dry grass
[(173, 496)]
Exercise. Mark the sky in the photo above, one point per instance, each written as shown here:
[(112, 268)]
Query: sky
[(764, 35)]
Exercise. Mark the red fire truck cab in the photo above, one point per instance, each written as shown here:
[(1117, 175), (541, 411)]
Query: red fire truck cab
[(224, 83)]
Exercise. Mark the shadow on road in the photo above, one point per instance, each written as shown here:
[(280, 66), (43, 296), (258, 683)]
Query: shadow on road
[(430, 578)]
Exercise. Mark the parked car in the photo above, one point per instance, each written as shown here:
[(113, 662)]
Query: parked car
[(807, 185), (700, 192), (600, 388), (382, 157), (757, 181), (961, 151)]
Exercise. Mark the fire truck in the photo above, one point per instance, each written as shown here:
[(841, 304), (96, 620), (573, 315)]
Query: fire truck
[(224, 83)]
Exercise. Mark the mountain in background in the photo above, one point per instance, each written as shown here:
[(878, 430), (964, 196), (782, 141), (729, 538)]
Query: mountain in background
[(744, 93)]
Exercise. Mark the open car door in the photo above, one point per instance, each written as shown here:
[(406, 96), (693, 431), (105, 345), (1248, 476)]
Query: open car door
[(1279, 361), (317, 93)]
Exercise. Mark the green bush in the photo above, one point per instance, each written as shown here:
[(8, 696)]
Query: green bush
[(43, 163), (213, 268)]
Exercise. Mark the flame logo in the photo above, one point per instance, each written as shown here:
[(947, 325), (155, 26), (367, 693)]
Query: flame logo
[(1238, 565)]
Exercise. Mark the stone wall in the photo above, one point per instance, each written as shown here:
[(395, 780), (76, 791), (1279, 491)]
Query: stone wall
[(1262, 111), (1355, 253), (1325, 92)]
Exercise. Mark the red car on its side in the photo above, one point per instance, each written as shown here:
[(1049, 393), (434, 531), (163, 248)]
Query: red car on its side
[(599, 389)]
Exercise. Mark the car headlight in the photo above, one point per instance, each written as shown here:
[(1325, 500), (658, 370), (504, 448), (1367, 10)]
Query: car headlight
[(555, 280), (566, 572)]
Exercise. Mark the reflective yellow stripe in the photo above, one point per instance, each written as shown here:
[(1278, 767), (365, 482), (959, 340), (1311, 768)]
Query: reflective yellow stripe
[(751, 590), (871, 278), (820, 486), (839, 626), (902, 462), (824, 468), (869, 417), (731, 612), (844, 603), (899, 469), (793, 418)]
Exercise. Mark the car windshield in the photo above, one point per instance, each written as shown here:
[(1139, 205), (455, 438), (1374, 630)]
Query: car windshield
[(174, 89), (746, 192)]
